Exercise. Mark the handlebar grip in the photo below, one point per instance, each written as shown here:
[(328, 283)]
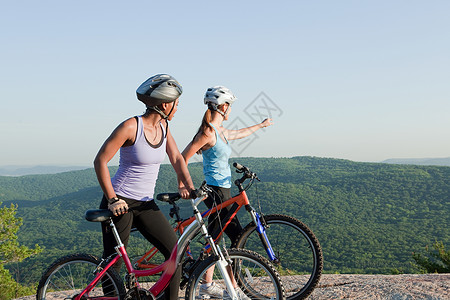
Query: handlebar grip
[(238, 166), (168, 197), (194, 194)]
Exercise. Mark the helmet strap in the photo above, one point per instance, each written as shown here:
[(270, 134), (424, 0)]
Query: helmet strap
[(155, 108), (214, 107), (171, 109), (163, 115), (225, 113), (159, 111)]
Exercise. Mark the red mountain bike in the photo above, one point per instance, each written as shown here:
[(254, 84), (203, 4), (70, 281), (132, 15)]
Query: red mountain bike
[(85, 277)]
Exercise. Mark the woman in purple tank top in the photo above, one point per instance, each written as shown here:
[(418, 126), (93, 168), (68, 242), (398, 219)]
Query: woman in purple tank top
[(143, 142)]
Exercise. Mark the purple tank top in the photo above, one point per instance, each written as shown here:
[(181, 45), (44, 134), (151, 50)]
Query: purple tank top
[(139, 167)]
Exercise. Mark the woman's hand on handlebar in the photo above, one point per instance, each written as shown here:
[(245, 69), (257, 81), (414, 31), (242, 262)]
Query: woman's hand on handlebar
[(191, 193), (118, 207), (185, 192)]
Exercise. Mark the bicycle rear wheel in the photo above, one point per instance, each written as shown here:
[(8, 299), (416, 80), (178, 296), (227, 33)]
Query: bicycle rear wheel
[(255, 276), (70, 275), (298, 250)]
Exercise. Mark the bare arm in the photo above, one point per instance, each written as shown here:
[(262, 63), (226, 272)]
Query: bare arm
[(185, 185), (244, 132), (199, 143), (123, 134)]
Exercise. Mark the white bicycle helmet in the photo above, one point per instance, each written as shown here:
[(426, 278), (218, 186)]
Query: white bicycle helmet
[(158, 89), (218, 95)]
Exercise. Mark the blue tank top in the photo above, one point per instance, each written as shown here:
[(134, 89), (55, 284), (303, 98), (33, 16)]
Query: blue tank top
[(215, 163), (139, 167)]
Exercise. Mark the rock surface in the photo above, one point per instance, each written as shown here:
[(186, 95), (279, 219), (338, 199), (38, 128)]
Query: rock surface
[(385, 287)]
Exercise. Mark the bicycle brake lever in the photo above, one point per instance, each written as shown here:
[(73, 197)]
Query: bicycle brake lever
[(201, 192), (204, 187)]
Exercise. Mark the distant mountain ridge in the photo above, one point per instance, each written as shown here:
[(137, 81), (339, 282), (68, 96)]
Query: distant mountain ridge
[(35, 170), (45, 169), (419, 161)]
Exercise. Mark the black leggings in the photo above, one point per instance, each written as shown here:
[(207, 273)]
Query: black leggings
[(153, 225), (217, 196)]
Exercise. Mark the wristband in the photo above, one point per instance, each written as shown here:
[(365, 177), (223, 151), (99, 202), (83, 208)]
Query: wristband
[(113, 200)]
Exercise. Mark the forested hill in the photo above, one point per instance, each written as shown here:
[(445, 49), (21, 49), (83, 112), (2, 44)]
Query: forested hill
[(368, 217), (47, 186)]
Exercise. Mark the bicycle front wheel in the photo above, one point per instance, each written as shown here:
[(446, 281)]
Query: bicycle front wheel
[(70, 275), (255, 277), (300, 259)]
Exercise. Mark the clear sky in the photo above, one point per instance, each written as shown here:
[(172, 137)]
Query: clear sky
[(359, 80)]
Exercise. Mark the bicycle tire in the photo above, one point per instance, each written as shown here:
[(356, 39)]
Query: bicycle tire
[(297, 248), (255, 276), (69, 275)]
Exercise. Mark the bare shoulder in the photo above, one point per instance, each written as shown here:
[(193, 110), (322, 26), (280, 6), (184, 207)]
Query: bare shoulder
[(207, 138), (130, 122), (128, 125), (224, 130), (126, 131), (209, 132)]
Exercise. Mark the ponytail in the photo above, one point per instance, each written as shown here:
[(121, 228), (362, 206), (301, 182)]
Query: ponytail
[(207, 117)]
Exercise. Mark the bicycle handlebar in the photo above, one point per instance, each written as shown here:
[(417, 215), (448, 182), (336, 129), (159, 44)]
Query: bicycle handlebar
[(247, 173), (239, 166), (172, 197)]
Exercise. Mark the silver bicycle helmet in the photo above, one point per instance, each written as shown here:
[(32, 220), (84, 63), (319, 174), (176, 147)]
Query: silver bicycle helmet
[(218, 95), (158, 89)]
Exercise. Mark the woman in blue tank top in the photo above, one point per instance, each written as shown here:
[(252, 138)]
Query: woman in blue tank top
[(143, 143), (211, 141)]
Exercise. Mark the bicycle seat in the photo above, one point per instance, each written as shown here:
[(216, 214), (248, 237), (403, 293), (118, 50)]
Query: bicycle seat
[(98, 215), (168, 197)]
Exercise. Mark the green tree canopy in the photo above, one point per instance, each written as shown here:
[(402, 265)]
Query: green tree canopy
[(11, 251)]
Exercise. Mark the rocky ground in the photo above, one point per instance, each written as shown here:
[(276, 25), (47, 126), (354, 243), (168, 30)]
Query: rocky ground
[(385, 287)]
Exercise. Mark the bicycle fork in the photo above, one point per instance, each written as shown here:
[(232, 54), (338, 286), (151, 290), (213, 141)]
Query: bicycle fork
[(222, 263), (261, 230)]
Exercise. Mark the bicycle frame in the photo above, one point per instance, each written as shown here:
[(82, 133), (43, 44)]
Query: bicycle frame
[(169, 266), (236, 203)]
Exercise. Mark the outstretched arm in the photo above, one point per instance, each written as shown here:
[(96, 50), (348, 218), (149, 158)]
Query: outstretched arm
[(244, 132)]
